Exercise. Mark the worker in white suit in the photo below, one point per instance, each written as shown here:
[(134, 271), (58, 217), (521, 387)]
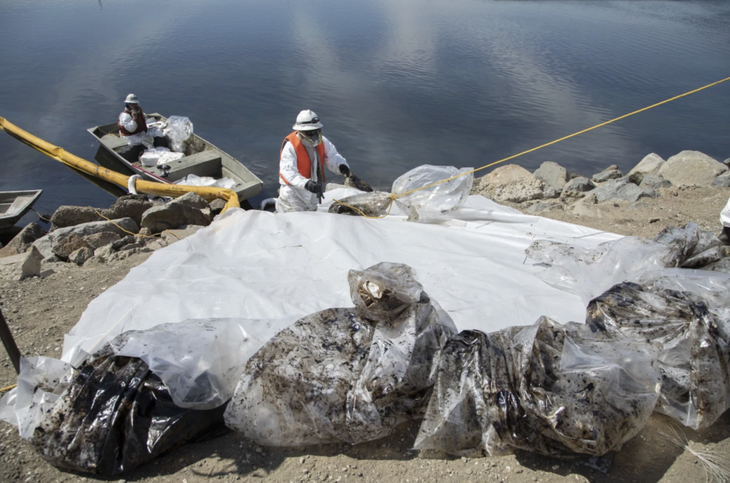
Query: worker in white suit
[(725, 220), (303, 156)]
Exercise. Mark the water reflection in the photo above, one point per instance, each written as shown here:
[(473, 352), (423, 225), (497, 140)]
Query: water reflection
[(396, 83)]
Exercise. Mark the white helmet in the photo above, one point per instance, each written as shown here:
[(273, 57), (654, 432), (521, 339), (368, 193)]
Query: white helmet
[(307, 121), (131, 99)]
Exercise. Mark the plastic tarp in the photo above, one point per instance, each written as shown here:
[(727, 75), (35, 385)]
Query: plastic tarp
[(266, 266)]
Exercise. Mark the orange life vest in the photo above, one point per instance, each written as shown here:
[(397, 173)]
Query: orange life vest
[(304, 164), (141, 124)]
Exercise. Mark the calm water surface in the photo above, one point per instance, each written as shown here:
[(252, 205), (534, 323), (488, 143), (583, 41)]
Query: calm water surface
[(397, 83)]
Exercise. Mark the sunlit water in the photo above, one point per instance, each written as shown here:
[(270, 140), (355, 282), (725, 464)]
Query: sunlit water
[(397, 83)]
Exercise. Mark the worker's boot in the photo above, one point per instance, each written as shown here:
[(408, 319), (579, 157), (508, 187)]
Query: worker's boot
[(725, 235)]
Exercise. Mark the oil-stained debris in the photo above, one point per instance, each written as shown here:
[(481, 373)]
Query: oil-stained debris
[(692, 342), (694, 248), (116, 415), (348, 375), (369, 204), (541, 388)]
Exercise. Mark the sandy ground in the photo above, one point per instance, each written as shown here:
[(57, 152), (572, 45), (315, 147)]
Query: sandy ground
[(41, 310)]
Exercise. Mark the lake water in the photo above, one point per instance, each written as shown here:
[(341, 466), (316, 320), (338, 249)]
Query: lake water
[(397, 83)]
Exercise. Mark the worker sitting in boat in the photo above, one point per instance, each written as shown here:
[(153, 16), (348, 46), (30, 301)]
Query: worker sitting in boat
[(133, 124), (304, 153)]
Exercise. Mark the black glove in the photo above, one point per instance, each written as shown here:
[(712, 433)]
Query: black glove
[(344, 170), (315, 188)]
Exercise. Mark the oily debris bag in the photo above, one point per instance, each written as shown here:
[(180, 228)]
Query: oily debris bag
[(544, 388), (374, 204), (692, 247), (343, 374), (429, 203), (116, 415), (690, 335)]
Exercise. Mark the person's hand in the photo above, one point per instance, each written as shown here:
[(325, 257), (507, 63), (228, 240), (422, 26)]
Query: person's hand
[(344, 170), (315, 188)]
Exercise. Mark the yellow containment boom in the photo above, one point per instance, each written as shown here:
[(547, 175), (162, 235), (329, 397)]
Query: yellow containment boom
[(148, 187)]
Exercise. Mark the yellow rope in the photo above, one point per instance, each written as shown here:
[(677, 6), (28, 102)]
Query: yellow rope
[(41, 216), (125, 231), (394, 197), (8, 388)]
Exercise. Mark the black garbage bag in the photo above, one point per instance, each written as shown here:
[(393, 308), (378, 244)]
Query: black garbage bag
[(542, 388), (345, 375), (694, 248), (691, 341), (116, 415)]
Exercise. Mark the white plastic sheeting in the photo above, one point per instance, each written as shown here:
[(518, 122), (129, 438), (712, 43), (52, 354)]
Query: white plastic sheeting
[(260, 265)]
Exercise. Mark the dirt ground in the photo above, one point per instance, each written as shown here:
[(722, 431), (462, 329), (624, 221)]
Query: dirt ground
[(41, 310)]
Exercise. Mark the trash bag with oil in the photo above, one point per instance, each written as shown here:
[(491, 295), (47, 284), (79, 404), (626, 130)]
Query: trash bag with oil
[(547, 388), (427, 192), (345, 374), (115, 415), (692, 247), (690, 332), (375, 204)]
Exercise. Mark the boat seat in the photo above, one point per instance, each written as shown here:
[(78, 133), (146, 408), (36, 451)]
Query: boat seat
[(204, 163)]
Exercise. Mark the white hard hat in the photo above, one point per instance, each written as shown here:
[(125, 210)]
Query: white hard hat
[(131, 99), (307, 121)]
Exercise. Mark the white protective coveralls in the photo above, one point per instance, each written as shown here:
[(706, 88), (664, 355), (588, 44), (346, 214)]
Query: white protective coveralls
[(294, 196), (725, 215), (146, 138)]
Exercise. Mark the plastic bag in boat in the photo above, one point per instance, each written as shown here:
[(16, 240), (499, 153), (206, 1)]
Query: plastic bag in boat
[(195, 180), (542, 388), (690, 333), (429, 204), (345, 375), (178, 129), (160, 155), (115, 415)]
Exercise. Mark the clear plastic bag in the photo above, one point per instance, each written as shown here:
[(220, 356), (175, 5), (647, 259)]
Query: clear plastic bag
[(690, 333), (195, 180), (430, 204), (178, 129), (691, 247), (542, 388), (344, 375)]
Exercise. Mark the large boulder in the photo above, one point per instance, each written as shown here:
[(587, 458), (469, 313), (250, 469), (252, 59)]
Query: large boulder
[(173, 215), (23, 265), (100, 239), (69, 244), (651, 164), (722, 181), (577, 187), (80, 256), (23, 240), (607, 174), (690, 168), (129, 206), (120, 226), (553, 176), (193, 200), (509, 183), (67, 215), (621, 190)]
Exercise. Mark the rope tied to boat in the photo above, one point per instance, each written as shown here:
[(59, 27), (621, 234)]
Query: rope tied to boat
[(394, 197)]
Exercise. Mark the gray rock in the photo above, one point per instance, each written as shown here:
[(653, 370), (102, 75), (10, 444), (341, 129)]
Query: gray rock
[(23, 240), (66, 216), (554, 176), (636, 178), (69, 244), (23, 265), (100, 239), (80, 256), (45, 244), (103, 254), (217, 205), (691, 168), (621, 190), (639, 205), (654, 182), (651, 164), (607, 175), (193, 200), (173, 215), (541, 206), (507, 183), (723, 181), (727, 162), (577, 187), (127, 240), (130, 206)]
